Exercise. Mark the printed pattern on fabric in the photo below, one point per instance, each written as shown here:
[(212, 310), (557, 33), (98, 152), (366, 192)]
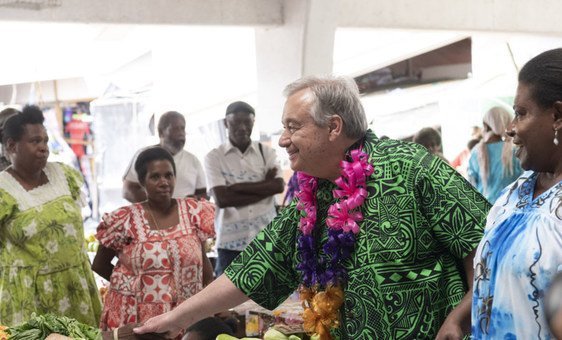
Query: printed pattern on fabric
[(421, 219), (519, 255), (157, 269), (237, 235), (43, 263)]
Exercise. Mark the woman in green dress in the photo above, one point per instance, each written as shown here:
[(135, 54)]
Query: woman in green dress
[(44, 267)]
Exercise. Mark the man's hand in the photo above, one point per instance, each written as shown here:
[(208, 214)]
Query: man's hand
[(450, 330), (271, 173), (457, 323)]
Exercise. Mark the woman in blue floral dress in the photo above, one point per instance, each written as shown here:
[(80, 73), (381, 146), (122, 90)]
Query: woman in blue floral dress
[(521, 250)]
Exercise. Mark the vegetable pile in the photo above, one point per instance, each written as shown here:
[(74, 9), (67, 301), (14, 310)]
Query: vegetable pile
[(40, 326)]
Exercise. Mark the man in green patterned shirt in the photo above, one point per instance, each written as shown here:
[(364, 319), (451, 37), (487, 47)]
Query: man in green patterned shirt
[(410, 274)]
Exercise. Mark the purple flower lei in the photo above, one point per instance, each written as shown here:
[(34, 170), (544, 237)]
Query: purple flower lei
[(342, 222)]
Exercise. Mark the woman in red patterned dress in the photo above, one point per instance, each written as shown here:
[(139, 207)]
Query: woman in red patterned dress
[(159, 244)]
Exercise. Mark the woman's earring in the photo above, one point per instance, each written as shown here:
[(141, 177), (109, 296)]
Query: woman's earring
[(555, 141)]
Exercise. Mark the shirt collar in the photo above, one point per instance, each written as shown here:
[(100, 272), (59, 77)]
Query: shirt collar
[(231, 148)]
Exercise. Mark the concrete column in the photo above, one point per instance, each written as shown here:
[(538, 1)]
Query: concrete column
[(302, 46)]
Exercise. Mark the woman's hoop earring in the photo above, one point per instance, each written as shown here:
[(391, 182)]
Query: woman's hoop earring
[(555, 141)]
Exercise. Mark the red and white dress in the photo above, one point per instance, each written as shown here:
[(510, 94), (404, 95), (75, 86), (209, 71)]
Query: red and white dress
[(157, 269)]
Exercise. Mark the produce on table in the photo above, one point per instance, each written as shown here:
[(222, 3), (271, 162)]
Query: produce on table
[(41, 326), (92, 243), (56, 336), (230, 337), (53, 327)]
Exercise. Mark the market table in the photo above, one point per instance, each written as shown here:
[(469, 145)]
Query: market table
[(286, 318)]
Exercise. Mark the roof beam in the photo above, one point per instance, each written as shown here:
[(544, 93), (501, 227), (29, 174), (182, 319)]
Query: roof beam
[(160, 12), (523, 16)]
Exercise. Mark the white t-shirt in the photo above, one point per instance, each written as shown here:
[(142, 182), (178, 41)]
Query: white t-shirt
[(226, 165), (189, 173)]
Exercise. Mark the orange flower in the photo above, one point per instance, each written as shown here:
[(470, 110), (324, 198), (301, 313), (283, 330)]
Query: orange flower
[(321, 310)]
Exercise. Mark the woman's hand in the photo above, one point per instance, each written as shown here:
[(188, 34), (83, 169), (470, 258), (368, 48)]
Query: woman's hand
[(166, 324), (102, 262)]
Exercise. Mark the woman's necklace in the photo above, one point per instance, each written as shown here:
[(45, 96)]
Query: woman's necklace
[(152, 216), (323, 278)]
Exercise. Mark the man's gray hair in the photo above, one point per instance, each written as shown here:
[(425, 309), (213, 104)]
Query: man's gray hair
[(333, 96)]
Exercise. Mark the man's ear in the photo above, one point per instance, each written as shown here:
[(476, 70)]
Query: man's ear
[(558, 115), (335, 125), (225, 123), (10, 145)]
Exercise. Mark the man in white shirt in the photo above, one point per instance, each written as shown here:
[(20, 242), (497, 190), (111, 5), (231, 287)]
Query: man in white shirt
[(244, 176), (190, 178)]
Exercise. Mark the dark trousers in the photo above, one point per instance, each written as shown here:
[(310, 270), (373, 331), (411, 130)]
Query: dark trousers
[(224, 258)]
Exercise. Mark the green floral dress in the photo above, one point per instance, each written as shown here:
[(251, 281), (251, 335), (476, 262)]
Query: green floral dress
[(43, 262)]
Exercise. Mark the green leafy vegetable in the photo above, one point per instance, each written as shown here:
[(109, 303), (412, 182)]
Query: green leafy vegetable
[(38, 327)]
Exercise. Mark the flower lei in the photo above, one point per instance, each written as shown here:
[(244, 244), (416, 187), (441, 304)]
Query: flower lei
[(323, 278)]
